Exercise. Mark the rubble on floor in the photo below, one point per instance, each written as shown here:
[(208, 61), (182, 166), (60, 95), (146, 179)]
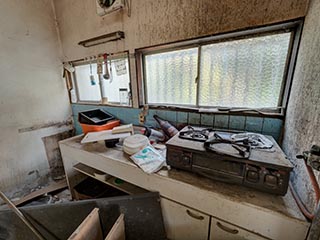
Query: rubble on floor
[(42, 191)]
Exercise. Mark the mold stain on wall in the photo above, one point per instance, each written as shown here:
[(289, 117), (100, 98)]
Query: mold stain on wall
[(54, 155), (32, 89), (158, 22)]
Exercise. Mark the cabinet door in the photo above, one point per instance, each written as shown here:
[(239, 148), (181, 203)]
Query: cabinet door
[(224, 231), (183, 223)]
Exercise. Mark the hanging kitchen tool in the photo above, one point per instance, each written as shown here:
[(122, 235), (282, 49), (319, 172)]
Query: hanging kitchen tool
[(100, 59), (106, 75), (111, 76), (92, 80)]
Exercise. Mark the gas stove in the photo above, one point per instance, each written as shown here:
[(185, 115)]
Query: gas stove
[(248, 159)]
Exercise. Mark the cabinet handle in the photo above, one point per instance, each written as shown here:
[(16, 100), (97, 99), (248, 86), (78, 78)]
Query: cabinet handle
[(227, 229), (193, 215)]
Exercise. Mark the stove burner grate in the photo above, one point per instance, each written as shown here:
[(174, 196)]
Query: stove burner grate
[(195, 135)]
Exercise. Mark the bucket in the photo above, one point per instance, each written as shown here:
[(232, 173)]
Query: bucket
[(96, 128)]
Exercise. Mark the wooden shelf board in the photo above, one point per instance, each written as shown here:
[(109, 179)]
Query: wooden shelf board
[(125, 186)]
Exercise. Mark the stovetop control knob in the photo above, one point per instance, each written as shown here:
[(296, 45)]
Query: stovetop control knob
[(252, 174), (186, 159), (271, 180)]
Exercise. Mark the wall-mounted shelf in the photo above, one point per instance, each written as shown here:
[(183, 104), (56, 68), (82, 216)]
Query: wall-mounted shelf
[(111, 181)]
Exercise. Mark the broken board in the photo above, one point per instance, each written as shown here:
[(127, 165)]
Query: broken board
[(142, 214), (89, 229), (117, 232), (103, 135), (51, 188)]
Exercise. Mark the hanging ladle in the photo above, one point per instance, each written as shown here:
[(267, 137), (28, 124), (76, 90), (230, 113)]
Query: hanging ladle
[(92, 80), (106, 75)]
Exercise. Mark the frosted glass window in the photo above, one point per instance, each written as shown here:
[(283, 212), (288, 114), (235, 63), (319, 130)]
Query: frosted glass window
[(115, 90), (87, 90), (243, 73), (170, 77), (240, 73)]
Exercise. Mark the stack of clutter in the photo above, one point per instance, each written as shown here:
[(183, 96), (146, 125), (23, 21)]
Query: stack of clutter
[(142, 148), (143, 153)]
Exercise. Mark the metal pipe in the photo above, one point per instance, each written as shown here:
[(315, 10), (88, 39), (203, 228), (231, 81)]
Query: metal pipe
[(300, 204), (314, 233), (314, 182)]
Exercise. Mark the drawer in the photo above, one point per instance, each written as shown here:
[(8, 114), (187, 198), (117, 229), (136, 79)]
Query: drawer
[(183, 223), (221, 230)]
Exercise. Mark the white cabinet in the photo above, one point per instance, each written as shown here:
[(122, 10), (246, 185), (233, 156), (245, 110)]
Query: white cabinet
[(224, 231), (183, 223)]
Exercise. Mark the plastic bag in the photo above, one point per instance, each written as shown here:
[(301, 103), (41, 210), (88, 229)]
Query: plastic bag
[(149, 159)]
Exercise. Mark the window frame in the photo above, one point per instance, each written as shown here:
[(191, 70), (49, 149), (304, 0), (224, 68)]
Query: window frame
[(87, 61), (295, 27)]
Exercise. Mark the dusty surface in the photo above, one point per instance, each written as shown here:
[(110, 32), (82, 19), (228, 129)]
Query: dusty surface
[(272, 156), (158, 22), (302, 124), (281, 205), (22, 190), (277, 204)]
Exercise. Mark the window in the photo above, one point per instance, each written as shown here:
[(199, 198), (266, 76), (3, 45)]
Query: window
[(92, 87), (170, 77), (87, 90), (243, 73), (241, 70)]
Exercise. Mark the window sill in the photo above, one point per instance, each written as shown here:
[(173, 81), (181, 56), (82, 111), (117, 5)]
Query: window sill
[(227, 111), (103, 104)]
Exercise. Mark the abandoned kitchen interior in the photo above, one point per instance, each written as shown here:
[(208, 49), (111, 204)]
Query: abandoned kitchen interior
[(142, 119)]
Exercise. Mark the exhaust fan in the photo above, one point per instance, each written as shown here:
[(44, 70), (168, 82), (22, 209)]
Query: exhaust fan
[(107, 6)]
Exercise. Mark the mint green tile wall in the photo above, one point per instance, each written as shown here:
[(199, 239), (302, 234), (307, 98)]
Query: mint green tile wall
[(269, 126)]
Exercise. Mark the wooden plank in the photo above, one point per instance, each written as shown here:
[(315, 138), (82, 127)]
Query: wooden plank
[(103, 135), (89, 229), (125, 186), (51, 188), (117, 232), (22, 217)]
